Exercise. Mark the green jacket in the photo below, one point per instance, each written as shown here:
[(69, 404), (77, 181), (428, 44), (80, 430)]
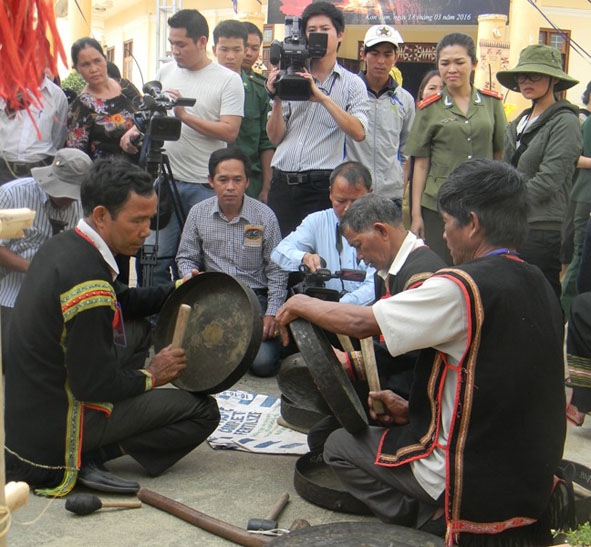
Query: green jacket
[(252, 138), (448, 137), (549, 161)]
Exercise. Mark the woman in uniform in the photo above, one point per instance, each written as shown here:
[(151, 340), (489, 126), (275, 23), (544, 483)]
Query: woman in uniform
[(450, 127)]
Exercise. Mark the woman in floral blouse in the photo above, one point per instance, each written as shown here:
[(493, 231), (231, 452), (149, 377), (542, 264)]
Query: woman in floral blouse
[(103, 111)]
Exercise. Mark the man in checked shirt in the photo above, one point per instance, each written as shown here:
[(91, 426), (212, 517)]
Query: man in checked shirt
[(235, 234)]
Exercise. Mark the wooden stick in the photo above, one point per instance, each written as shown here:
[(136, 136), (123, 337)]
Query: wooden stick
[(122, 504), (201, 520), (346, 343), (180, 327), (278, 507), (371, 371)]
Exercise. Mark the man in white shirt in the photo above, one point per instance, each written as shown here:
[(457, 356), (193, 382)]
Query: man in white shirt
[(453, 458), (212, 123), (25, 144)]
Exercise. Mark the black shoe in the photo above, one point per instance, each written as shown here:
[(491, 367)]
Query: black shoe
[(437, 526), (97, 477)]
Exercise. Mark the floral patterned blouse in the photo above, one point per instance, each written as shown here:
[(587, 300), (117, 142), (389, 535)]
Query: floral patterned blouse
[(96, 126)]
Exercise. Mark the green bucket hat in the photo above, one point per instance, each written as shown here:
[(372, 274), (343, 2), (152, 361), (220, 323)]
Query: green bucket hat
[(539, 59)]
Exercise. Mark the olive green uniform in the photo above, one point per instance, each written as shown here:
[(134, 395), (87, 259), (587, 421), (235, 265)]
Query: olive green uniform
[(442, 132), (252, 138), (448, 137)]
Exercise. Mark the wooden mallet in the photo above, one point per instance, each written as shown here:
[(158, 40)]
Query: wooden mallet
[(270, 521), (371, 371), (84, 504), (181, 325)]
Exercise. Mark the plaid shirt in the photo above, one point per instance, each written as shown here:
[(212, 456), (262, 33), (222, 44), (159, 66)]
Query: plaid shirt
[(240, 247)]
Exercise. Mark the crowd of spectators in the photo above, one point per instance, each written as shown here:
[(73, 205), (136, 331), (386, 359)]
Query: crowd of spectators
[(270, 185)]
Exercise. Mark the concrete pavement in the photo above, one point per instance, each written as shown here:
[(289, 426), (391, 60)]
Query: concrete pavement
[(228, 485)]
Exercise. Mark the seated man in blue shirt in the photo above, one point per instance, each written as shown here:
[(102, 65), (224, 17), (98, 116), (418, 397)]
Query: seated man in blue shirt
[(234, 234), (318, 236)]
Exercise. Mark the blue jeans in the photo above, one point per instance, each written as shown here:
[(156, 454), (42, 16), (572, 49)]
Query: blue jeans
[(266, 362), (169, 237)]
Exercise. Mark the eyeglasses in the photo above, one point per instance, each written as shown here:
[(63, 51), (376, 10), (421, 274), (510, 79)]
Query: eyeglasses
[(531, 76)]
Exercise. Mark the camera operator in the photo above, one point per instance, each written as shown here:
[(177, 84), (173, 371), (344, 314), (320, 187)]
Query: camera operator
[(319, 236), (310, 135), (212, 123)]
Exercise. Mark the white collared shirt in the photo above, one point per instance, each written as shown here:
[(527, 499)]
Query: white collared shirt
[(100, 244)]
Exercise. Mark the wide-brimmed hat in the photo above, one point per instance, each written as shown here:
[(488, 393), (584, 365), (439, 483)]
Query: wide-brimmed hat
[(538, 59), (63, 178), (379, 34)]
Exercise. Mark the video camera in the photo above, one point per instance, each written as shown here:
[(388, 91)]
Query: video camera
[(314, 283), (152, 119), (293, 56)]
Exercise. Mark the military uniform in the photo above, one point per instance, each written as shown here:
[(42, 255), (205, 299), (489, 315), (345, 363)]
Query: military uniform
[(252, 138), (446, 135)]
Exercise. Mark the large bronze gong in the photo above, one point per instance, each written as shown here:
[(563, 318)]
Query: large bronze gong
[(329, 376), (223, 335)]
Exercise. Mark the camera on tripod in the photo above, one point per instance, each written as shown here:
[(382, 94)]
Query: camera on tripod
[(314, 283), (152, 119), (293, 55)]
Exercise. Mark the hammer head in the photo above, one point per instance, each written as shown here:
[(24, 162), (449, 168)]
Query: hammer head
[(261, 524)]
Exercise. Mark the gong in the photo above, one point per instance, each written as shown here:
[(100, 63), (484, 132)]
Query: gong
[(296, 384), (223, 335), (356, 534), (329, 376), (316, 482)]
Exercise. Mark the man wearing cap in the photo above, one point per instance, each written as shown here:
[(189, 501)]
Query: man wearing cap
[(544, 143), (392, 111), (53, 192)]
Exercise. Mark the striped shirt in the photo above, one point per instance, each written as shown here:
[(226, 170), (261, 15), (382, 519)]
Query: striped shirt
[(313, 139), (240, 247), (27, 193)]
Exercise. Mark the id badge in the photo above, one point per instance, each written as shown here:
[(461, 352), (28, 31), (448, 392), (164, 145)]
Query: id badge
[(119, 328), (253, 235)]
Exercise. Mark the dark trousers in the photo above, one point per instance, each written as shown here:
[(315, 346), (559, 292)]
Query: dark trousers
[(291, 203), (578, 348), (392, 493), (434, 234), (542, 249), (156, 428)]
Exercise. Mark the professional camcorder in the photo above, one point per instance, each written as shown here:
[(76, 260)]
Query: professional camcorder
[(152, 119), (293, 55), (314, 283)]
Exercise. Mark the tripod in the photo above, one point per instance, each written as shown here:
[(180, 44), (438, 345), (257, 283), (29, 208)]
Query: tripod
[(155, 162)]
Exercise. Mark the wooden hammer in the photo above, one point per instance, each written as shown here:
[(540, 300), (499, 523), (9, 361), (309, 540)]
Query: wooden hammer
[(270, 521)]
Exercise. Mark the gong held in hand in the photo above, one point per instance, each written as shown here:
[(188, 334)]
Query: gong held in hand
[(223, 330)]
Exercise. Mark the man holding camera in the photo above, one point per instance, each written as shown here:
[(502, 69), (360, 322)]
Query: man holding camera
[(210, 124), (310, 134)]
